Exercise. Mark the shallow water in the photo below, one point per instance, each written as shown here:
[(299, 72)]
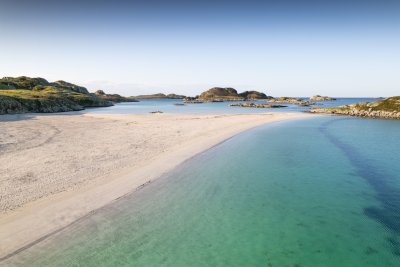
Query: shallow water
[(167, 105), (322, 191)]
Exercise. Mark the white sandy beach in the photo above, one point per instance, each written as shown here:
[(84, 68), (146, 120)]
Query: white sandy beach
[(54, 169)]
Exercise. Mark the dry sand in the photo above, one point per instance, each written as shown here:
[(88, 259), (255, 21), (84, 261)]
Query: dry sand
[(55, 169)]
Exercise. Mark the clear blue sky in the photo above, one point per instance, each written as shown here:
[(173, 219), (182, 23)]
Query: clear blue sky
[(295, 48)]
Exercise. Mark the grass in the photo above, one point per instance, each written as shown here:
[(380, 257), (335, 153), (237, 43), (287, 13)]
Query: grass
[(391, 104)]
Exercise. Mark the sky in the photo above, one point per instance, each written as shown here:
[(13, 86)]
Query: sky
[(282, 48)]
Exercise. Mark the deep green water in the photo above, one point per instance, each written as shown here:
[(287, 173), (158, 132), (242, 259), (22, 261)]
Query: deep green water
[(315, 192)]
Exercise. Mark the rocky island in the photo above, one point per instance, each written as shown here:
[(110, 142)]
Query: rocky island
[(253, 105), (115, 98), (221, 94), (291, 100), (322, 98), (25, 94), (160, 96), (388, 108)]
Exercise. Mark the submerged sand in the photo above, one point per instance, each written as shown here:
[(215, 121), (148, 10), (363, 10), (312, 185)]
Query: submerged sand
[(55, 169)]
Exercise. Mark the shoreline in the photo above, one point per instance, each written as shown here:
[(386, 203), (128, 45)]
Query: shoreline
[(35, 221)]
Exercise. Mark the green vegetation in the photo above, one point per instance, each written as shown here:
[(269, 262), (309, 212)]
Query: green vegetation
[(391, 104), (24, 94), (388, 108)]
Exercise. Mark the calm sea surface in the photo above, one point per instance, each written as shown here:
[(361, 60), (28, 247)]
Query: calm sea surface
[(167, 105), (321, 191)]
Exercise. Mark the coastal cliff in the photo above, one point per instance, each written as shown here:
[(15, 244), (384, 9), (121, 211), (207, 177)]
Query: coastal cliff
[(25, 94), (388, 108)]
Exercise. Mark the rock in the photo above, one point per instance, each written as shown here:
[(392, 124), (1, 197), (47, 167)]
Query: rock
[(22, 82), (100, 92), (70, 86), (160, 96), (175, 96), (291, 100), (253, 95), (322, 98), (115, 98), (157, 111), (253, 105), (192, 100), (220, 94), (24, 94), (388, 108)]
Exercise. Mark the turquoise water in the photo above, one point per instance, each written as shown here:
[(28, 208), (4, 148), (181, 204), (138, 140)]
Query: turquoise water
[(323, 191), (167, 105)]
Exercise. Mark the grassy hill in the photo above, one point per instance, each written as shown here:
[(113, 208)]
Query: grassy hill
[(25, 94)]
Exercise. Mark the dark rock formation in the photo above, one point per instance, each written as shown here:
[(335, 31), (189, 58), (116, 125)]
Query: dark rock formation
[(253, 95), (220, 94)]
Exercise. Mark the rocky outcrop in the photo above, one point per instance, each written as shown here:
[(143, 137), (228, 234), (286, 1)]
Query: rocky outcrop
[(254, 95), (192, 100), (322, 98), (220, 94), (388, 109), (25, 94), (23, 82), (160, 96), (253, 105), (292, 100), (175, 96), (70, 86), (27, 83), (115, 98), (12, 105)]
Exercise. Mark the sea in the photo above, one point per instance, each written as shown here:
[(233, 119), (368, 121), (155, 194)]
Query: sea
[(318, 191), (168, 106)]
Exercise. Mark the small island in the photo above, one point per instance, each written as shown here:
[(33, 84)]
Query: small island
[(221, 94), (322, 98), (24, 94), (115, 98), (160, 96), (253, 105), (388, 108), (292, 100)]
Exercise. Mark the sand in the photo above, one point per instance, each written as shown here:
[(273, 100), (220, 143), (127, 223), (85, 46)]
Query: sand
[(55, 169)]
